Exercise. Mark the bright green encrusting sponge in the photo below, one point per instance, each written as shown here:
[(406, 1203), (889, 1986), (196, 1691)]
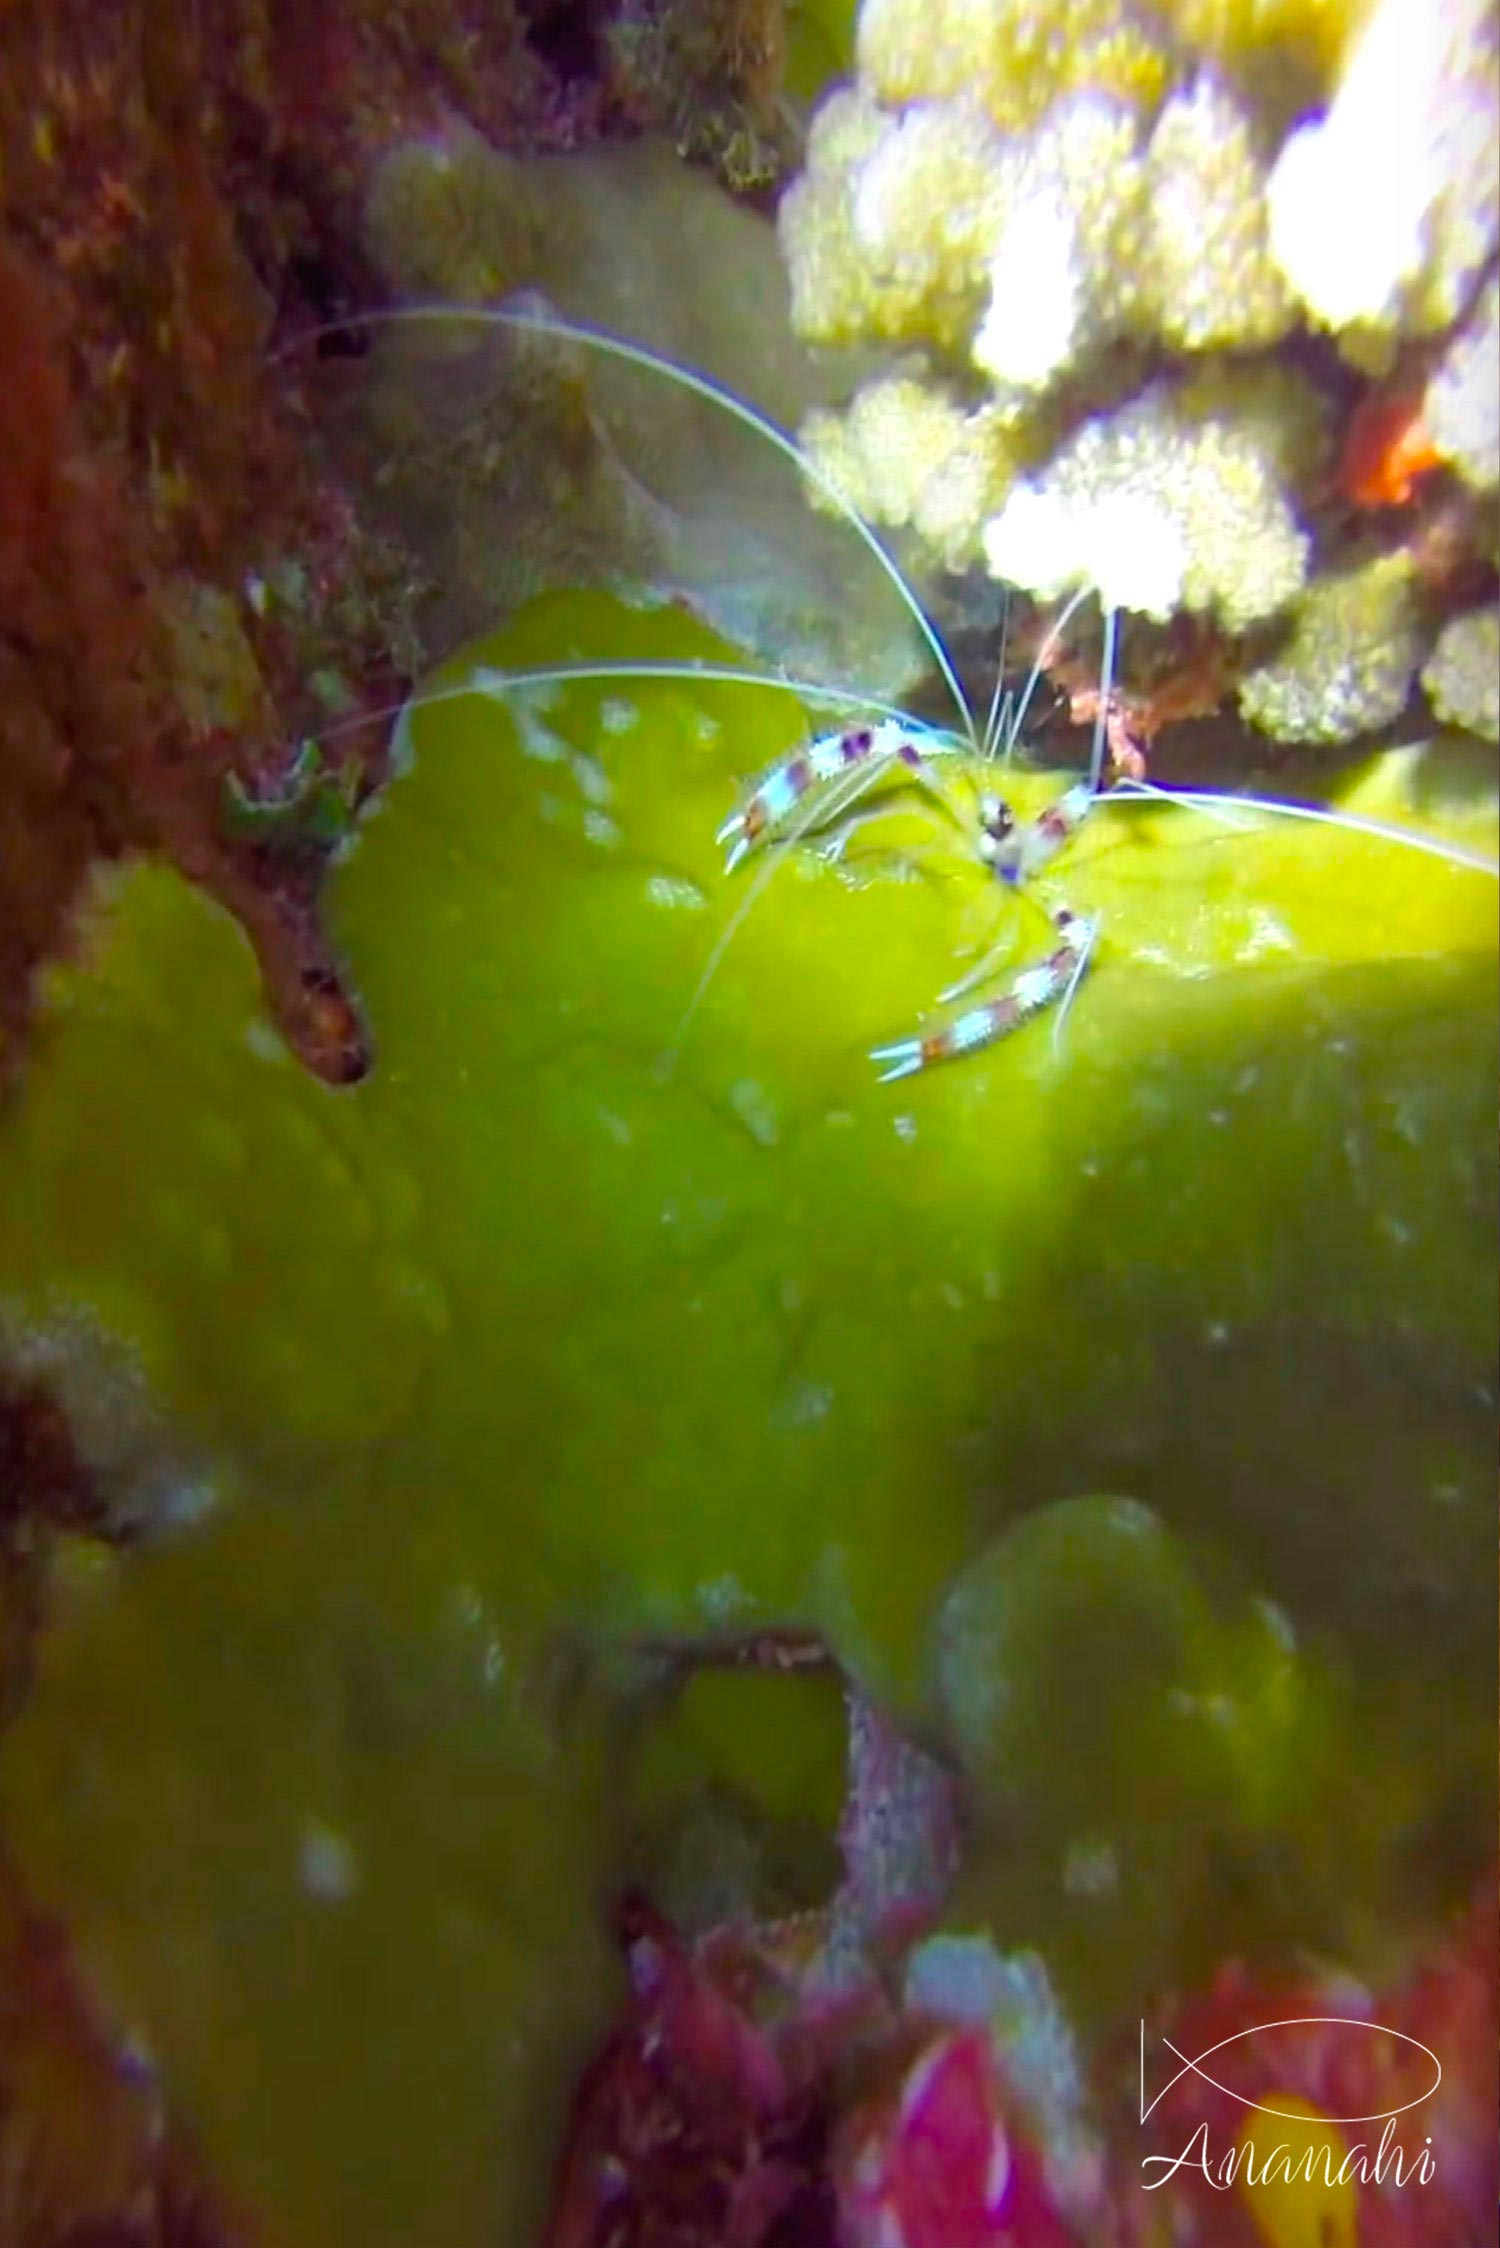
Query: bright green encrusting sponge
[(542, 1331)]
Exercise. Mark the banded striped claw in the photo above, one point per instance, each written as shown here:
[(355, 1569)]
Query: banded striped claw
[(857, 755), (1047, 983)]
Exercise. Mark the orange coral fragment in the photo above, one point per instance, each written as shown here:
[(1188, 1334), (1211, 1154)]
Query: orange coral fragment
[(1388, 449)]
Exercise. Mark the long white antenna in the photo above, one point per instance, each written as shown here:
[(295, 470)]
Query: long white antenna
[(1054, 633), (996, 716), (1106, 684), (640, 355), (491, 683), (1326, 815)]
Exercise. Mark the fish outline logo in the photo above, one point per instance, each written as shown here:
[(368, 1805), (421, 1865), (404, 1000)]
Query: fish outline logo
[(1194, 2067)]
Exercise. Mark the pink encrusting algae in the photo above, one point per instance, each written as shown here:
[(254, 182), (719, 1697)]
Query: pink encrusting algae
[(943, 2164)]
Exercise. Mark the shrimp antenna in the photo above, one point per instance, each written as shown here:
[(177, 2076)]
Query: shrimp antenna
[(1326, 815), (491, 684), (701, 386), (1054, 634), (996, 716), (1106, 685)]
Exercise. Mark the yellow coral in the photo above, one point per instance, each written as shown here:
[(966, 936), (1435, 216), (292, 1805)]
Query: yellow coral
[(1046, 197), (1313, 34), (1384, 212), (1014, 56), (1348, 663), (1210, 272), (910, 455), (1462, 406), (835, 296), (1063, 272), (1035, 249), (1462, 676), (923, 211), (891, 441), (1177, 501)]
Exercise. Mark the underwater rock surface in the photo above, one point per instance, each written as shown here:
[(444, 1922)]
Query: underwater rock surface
[(535, 1338), (511, 463)]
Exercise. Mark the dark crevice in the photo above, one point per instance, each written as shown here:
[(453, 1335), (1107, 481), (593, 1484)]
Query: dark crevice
[(565, 35)]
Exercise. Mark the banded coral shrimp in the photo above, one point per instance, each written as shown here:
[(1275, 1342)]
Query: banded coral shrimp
[(831, 784)]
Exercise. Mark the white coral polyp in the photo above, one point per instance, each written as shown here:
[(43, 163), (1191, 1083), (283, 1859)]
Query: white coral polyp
[(1121, 543), (1345, 231), (879, 211), (1140, 556), (1382, 212), (1028, 333), (919, 196), (936, 49), (1032, 542)]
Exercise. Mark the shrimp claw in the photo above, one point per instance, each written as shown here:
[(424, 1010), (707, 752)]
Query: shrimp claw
[(1036, 988), (859, 753)]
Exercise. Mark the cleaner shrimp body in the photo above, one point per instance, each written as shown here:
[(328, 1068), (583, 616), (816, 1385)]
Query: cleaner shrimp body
[(784, 805), (1018, 851), (1015, 851), (811, 795)]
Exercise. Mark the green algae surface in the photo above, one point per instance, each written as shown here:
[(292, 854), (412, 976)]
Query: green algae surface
[(572, 1325)]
